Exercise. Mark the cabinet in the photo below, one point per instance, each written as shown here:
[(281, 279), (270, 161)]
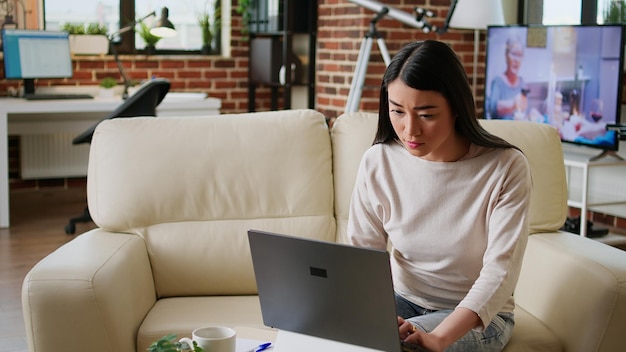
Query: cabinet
[(283, 39), (580, 169)]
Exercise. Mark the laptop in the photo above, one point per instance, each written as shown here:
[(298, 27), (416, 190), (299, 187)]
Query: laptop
[(326, 290)]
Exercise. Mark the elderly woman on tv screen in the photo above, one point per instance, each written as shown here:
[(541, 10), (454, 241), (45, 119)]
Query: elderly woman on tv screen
[(508, 98)]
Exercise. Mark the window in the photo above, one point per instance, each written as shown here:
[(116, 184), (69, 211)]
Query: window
[(561, 12), (183, 14), (550, 12)]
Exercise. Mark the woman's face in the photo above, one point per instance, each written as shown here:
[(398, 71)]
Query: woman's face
[(514, 56), (423, 121)]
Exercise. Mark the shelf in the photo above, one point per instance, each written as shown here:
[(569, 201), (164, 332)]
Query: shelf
[(617, 210), (593, 200), (578, 184), (282, 32), (612, 239)]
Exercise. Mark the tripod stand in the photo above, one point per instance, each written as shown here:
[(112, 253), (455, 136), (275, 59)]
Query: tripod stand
[(356, 88)]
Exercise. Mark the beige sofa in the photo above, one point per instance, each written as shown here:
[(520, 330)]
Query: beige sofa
[(174, 198)]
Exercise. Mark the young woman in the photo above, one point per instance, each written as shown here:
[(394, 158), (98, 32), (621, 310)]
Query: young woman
[(452, 200)]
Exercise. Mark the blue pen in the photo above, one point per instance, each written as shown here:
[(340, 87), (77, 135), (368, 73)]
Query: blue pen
[(263, 347)]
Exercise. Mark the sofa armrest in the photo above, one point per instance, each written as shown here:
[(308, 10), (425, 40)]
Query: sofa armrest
[(577, 287), (90, 294)]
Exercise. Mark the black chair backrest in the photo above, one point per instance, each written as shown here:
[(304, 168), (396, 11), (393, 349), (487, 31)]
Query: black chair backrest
[(143, 103)]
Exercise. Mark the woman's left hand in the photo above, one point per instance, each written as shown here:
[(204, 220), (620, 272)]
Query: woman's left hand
[(411, 334), (405, 328), (426, 340)]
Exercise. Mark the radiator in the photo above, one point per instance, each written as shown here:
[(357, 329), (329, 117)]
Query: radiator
[(52, 156)]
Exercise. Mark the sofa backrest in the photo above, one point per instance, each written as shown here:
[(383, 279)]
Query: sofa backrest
[(352, 133), (192, 187), (542, 146)]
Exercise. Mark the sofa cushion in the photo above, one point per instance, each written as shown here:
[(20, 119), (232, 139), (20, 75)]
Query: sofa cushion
[(574, 272), (181, 315), (210, 180), (531, 335)]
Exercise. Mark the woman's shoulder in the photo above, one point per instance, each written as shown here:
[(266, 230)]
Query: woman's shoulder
[(380, 149), (499, 79), (491, 153), (379, 153)]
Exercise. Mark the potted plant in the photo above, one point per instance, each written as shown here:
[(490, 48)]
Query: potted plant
[(150, 39), (209, 25), (106, 87), (168, 343), (243, 8), (87, 40)]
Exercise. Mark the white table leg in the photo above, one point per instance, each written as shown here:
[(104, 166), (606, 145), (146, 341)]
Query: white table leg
[(4, 171)]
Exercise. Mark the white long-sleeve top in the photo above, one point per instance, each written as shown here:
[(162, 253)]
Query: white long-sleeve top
[(458, 229)]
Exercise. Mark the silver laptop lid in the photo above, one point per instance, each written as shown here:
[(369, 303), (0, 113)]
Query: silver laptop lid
[(324, 289)]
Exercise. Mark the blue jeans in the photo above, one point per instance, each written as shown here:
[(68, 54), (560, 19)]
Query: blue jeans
[(493, 338)]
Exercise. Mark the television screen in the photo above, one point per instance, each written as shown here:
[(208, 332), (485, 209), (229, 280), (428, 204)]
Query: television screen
[(31, 54), (568, 76)]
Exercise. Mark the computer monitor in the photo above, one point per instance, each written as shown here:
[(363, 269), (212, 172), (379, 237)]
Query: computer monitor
[(31, 54), (568, 76)]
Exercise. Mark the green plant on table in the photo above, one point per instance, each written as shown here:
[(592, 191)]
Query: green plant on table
[(96, 28), (168, 343), (73, 28), (209, 21), (79, 28), (204, 20), (108, 82)]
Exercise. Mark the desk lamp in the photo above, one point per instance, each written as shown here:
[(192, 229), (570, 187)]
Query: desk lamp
[(162, 28), (476, 15), (9, 23)]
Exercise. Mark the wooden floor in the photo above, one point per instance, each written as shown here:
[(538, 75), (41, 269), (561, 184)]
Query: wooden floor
[(38, 220)]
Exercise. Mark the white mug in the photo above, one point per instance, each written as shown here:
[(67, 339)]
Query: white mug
[(213, 339)]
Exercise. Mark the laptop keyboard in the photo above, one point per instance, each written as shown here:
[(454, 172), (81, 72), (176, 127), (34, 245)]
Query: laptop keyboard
[(56, 96), (409, 347)]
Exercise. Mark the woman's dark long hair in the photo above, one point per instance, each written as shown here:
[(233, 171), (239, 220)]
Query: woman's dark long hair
[(433, 65)]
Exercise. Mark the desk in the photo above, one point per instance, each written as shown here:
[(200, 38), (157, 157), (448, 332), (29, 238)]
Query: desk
[(22, 117)]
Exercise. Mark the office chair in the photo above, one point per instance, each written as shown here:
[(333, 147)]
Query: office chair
[(143, 103)]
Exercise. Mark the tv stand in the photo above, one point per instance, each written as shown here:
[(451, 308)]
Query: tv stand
[(607, 153)]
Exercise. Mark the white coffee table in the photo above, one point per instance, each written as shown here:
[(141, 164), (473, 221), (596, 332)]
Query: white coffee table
[(286, 341)]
